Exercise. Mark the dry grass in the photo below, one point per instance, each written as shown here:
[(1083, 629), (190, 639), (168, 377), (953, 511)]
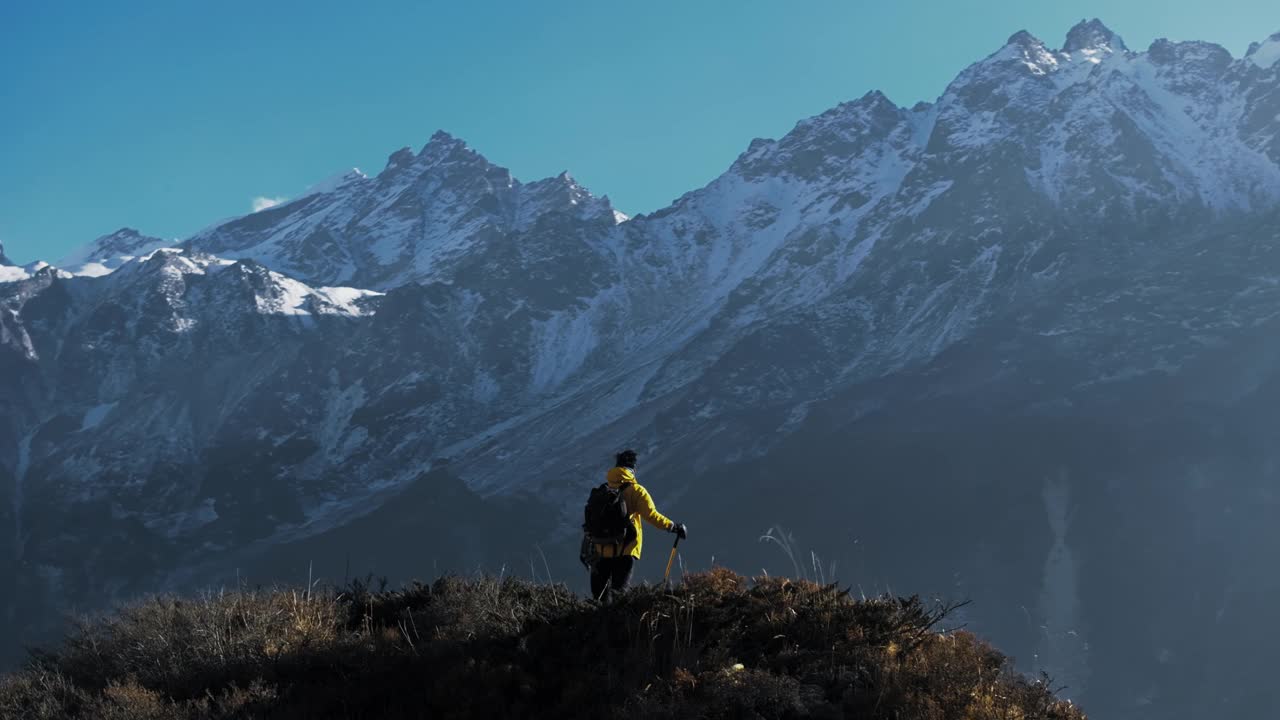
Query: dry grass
[(718, 646)]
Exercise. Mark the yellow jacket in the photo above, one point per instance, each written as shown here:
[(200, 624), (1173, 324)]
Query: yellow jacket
[(640, 505)]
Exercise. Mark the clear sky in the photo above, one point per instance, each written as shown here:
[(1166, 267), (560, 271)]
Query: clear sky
[(169, 115)]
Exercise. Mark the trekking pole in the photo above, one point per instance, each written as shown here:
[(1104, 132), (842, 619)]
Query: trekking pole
[(667, 576)]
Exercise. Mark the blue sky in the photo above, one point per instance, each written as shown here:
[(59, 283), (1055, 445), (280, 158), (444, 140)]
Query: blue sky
[(167, 116)]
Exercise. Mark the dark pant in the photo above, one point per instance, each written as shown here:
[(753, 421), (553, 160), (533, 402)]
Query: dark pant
[(611, 574)]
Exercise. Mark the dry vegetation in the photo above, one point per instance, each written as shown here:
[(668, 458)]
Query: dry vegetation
[(718, 646)]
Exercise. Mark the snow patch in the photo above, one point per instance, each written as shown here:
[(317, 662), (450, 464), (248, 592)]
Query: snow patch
[(346, 299), (12, 273), (163, 250), (92, 269), (263, 202), (926, 197), (1266, 54), (334, 182), (296, 298), (335, 434), (1210, 161), (105, 266), (91, 259), (562, 345), (293, 296)]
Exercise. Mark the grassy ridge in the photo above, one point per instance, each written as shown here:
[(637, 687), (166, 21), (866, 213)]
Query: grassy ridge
[(717, 646)]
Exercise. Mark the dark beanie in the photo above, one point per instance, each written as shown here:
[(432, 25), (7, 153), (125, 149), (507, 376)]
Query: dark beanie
[(627, 459)]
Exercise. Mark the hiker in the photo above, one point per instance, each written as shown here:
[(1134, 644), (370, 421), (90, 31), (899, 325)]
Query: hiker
[(613, 534)]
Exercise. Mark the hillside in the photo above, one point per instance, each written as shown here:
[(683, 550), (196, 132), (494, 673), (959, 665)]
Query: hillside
[(716, 646)]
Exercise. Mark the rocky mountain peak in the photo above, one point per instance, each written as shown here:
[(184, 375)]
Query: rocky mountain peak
[(169, 259), (1265, 54), (399, 159), (1022, 52), (444, 139), (123, 243), (124, 235), (444, 158), (444, 147), (874, 108), (4, 260), (1192, 56), (442, 155), (560, 194), (562, 187), (1092, 35), (821, 146), (1025, 40)]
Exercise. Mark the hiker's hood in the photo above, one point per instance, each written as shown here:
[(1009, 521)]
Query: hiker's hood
[(619, 475)]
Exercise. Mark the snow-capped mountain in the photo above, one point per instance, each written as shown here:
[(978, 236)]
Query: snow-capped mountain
[(995, 302), (1266, 53), (416, 221), (8, 271), (110, 252)]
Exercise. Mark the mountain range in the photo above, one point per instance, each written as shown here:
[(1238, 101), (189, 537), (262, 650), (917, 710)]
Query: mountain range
[(1017, 344)]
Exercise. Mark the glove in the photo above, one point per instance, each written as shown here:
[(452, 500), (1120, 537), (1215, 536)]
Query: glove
[(680, 530)]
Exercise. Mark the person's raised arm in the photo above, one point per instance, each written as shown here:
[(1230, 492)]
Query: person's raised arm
[(650, 513)]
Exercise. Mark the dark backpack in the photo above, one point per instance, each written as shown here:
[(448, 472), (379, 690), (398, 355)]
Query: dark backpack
[(606, 520)]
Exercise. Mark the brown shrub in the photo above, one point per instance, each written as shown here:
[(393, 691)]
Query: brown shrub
[(717, 646)]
